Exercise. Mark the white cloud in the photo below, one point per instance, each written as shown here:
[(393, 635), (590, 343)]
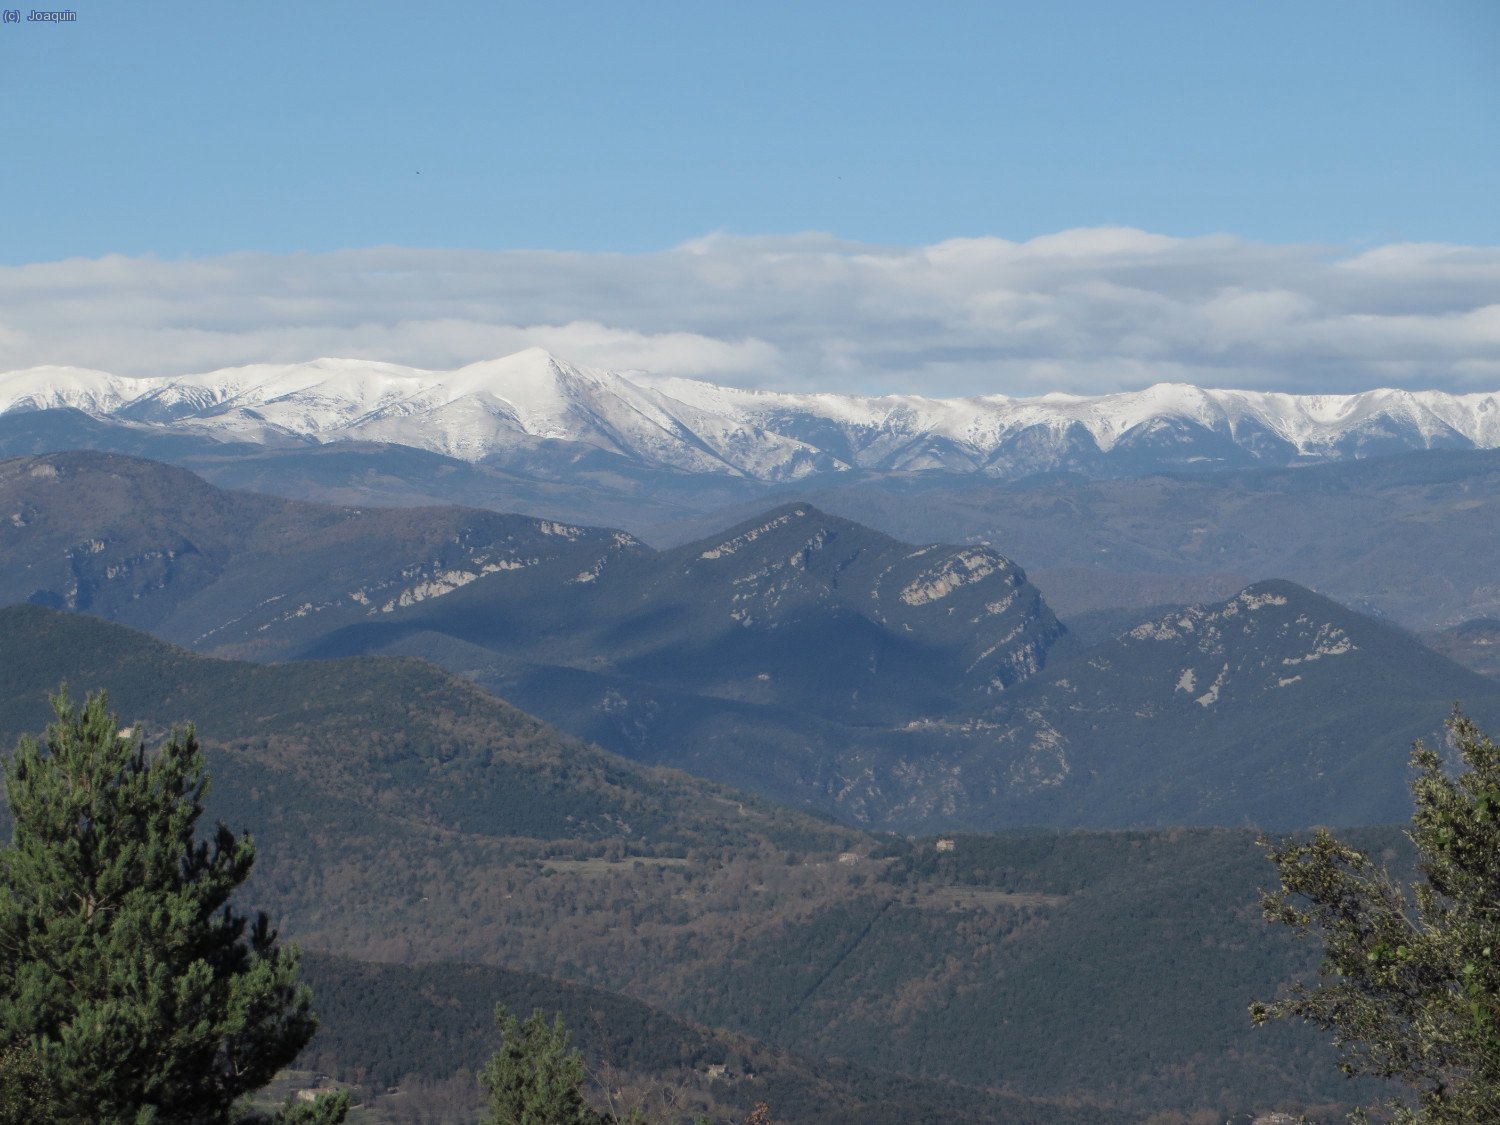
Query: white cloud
[(1087, 311)]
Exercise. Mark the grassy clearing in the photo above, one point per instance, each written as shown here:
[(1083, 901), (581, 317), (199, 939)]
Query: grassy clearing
[(985, 898), (600, 866)]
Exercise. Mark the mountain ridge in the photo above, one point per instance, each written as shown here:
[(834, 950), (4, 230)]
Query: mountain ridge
[(798, 654), (536, 411), (156, 546), (402, 816)]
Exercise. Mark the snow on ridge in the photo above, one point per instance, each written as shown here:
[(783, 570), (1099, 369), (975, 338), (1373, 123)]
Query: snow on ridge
[(82, 388), (1310, 423), (509, 404)]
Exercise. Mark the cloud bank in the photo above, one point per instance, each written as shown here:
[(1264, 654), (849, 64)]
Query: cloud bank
[(1087, 311)]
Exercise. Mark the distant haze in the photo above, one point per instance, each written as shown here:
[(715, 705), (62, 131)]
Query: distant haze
[(1084, 311)]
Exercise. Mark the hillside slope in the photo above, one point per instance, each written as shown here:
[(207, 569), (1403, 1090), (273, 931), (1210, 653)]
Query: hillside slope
[(403, 816), (399, 740), (1408, 537), (158, 548), (797, 654), (1275, 707), (437, 1031)]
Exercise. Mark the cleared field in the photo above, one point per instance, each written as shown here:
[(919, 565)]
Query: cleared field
[(601, 866), (985, 898)]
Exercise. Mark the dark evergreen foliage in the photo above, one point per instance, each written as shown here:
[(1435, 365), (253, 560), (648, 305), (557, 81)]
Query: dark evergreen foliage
[(536, 1077), (131, 990), (437, 1019)]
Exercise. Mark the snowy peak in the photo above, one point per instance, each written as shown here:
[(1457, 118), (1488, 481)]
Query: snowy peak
[(77, 388), (525, 410)]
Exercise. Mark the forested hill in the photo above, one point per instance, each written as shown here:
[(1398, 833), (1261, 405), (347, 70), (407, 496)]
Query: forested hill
[(402, 816), (396, 738), (437, 1029), (236, 573)]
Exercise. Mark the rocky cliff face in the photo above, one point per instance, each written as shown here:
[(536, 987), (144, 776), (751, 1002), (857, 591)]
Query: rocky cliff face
[(231, 572), (797, 654)]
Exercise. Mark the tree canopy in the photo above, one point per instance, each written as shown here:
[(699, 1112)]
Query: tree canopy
[(130, 988), (535, 1078), (1410, 981)]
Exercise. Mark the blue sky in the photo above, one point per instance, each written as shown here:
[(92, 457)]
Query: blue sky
[(995, 197), (199, 128)]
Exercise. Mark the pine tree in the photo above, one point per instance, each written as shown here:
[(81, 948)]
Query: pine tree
[(130, 989), (534, 1079), (1410, 984)]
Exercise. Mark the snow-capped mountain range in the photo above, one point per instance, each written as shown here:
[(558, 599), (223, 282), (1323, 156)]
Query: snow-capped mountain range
[(532, 403)]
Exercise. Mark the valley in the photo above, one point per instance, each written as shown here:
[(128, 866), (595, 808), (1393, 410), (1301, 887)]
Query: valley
[(403, 818), (723, 564), (800, 818)]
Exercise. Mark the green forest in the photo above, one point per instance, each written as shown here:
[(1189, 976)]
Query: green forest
[(434, 853)]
